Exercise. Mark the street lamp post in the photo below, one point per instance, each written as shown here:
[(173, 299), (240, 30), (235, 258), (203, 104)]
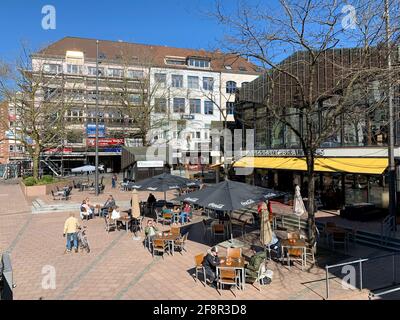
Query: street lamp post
[(96, 179), (392, 165)]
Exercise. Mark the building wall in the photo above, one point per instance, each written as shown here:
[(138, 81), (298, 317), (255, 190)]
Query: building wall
[(4, 144)]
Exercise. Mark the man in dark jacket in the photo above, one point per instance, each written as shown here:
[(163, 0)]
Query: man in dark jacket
[(210, 263), (110, 203)]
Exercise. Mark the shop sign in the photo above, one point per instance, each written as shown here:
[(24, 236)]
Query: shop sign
[(105, 142), (282, 153)]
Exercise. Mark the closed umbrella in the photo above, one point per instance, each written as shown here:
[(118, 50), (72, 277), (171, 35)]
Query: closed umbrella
[(298, 205), (135, 209), (266, 230)]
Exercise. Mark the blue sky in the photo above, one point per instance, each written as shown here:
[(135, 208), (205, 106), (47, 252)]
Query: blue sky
[(180, 23)]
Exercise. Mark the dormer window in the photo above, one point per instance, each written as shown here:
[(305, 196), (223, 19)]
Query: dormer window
[(176, 61), (227, 67), (199, 63)]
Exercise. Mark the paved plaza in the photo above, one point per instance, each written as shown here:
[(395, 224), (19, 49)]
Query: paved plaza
[(119, 267)]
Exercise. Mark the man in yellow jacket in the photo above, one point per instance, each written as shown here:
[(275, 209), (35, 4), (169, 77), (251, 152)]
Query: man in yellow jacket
[(71, 226)]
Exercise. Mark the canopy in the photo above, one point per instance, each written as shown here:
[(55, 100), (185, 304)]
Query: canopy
[(86, 168), (162, 183), (229, 195), (346, 165)]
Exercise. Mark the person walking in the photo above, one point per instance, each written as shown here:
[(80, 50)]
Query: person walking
[(71, 226), (114, 181)]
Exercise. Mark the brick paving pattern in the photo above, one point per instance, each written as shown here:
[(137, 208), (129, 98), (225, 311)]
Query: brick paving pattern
[(119, 267)]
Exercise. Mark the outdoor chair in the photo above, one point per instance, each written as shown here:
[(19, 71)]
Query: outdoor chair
[(340, 238), (159, 246), (135, 225), (167, 217), (176, 230), (261, 273), (198, 260), (159, 215), (218, 230), (180, 243), (296, 254), (148, 242), (206, 227), (228, 277), (56, 197), (111, 224), (240, 226), (234, 253)]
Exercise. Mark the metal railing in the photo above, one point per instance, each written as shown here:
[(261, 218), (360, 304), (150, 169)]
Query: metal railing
[(387, 228), (384, 292), (360, 263)]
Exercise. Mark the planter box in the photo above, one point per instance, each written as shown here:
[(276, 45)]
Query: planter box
[(42, 190)]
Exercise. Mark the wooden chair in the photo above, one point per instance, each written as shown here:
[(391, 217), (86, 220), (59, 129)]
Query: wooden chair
[(176, 231), (180, 243), (218, 230), (159, 246), (228, 277), (296, 254), (198, 260), (167, 217), (234, 253)]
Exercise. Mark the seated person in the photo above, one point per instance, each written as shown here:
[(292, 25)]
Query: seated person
[(210, 263), (186, 212), (85, 209), (165, 209), (150, 230), (275, 246), (252, 267), (110, 203)]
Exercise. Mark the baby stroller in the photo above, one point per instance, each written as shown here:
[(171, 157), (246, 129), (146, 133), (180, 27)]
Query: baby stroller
[(82, 239)]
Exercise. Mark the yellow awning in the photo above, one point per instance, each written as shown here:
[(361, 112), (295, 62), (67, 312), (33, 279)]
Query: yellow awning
[(348, 165)]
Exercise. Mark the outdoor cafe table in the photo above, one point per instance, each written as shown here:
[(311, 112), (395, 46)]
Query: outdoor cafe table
[(167, 237), (295, 244), (236, 264), (126, 220)]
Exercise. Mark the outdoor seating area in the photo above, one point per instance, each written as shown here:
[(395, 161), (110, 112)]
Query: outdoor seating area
[(63, 193)]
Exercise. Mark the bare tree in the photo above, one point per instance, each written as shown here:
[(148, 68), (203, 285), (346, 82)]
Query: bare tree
[(140, 99), (40, 103), (297, 42)]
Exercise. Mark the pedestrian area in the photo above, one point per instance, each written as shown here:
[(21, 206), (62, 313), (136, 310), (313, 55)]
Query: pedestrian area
[(119, 267)]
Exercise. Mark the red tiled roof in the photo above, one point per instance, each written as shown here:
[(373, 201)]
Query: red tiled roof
[(147, 54)]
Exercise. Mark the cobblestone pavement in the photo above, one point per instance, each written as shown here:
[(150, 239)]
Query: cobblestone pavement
[(119, 267)]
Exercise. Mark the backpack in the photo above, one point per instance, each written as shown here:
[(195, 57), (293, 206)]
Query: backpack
[(266, 280)]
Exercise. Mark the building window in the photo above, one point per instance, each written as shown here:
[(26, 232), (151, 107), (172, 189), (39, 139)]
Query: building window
[(230, 87), (74, 69), (177, 81), (160, 105), (205, 135), (193, 82), (160, 79), (198, 135), (208, 107), (179, 105), (135, 74), (208, 83), (195, 105), (115, 73), (92, 71), (175, 62), (52, 68), (230, 107), (199, 63), (135, 98)]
